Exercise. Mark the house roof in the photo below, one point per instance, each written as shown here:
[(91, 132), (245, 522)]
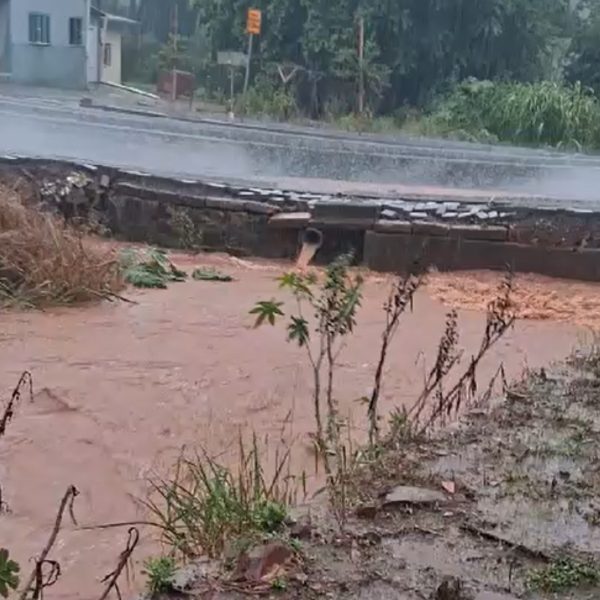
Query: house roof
[(111, 19)]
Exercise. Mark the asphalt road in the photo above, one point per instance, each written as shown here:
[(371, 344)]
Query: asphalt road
[(57, 127)]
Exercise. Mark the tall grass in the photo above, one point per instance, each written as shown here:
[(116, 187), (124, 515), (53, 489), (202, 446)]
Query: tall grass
[(542, 113), (204, 504), (44, 261)]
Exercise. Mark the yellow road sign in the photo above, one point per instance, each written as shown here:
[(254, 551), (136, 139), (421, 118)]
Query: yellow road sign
[(254, 21)]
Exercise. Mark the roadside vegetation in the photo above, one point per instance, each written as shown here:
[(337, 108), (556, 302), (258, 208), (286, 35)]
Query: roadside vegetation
[(45, 261), (527, 70)]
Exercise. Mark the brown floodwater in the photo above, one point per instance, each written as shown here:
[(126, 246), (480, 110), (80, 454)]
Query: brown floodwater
[(120, 388)]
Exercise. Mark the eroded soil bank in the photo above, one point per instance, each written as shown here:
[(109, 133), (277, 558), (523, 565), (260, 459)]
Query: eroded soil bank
[(120, 388), (503, 505)]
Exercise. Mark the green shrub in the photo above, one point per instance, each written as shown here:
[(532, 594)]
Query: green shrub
[(265, 98), (160, 572), (543, 113)]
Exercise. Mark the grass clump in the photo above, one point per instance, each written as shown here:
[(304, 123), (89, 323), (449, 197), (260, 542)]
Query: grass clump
[(149, 268), (207, 505), (160, 572), (45, 261), (563, 574)]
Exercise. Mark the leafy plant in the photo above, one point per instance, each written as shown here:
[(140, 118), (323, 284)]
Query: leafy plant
[(149, 269), (334, 305), (564, 574), (9, 573), (210, 274), (160, 572)]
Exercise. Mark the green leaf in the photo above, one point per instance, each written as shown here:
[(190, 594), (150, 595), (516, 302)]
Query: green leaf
[(9, 579), (267, 310), (298, 331)]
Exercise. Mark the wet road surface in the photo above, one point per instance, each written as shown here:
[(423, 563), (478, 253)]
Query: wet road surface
[(51, 127)]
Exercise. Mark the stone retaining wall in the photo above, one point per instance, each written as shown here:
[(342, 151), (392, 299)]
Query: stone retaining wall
[(384, 234)]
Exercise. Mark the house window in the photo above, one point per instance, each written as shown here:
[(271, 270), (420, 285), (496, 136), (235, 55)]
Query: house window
[(39, 28), (107, 55), (75, 31)]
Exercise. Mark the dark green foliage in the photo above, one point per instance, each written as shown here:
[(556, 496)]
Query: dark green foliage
[(543, 113), (414, 49), (9, 569), (149, 269)]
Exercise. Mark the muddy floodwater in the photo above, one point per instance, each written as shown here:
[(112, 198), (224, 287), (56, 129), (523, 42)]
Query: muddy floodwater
[(120, 388)]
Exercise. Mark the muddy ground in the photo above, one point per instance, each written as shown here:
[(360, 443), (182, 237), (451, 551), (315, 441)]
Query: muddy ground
[(504, 504), (120, 388)]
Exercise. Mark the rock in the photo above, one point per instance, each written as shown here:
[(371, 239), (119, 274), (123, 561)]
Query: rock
[(452, 205), (451, 589), (188, 576), (263, 563), (418, 215), (301, 520), (406, 494), (104, 181), (302, 528), (494, 596), (367, 511)]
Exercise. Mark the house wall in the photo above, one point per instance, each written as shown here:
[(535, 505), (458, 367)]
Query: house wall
[(112, 73), (4, 36), (57, 64)]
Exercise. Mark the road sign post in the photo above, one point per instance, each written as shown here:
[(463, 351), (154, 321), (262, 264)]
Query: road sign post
[(253, 26), (231, 60)]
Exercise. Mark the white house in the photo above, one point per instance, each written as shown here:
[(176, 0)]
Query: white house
[(60, 43)]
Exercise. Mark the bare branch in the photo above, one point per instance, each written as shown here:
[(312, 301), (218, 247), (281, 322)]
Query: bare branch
[(9, 410), (36, 582), (113, 577)]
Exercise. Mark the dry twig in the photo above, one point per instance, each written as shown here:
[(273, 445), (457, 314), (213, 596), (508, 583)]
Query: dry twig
[(113, 577), (9, 410), (37, 581), (400, 297)]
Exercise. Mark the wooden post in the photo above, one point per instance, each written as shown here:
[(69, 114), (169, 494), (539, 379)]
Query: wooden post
[(361, 73)]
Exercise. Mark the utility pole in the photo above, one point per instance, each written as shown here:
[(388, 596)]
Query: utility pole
[(174, 34), (248, 60), (361, 71)]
